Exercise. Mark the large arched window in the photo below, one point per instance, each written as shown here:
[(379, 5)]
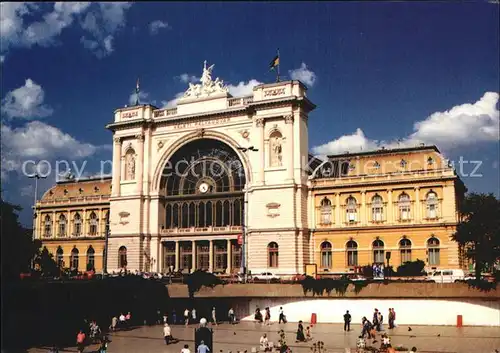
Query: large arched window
[(326, 254), (93, 224), (326, 211), (377, 209), (60, 257), (433, 251), (405, 250), (404, 206), (77, 223), (63, 226), (273, 253), (90, 258), (378, 251), (351, 210), (47, 226), (122, 257), (432, 205), (352, 253), (74, 259)]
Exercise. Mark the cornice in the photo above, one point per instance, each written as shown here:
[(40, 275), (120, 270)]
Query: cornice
[(383, 227)]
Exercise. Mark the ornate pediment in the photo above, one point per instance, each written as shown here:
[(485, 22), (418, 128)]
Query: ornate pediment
[(207, 87)]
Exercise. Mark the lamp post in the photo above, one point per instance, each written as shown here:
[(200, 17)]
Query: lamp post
[(243, 266), (35, 176)]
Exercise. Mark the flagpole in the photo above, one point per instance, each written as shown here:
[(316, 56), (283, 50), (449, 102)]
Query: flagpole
[(137, 92), (278, 70)]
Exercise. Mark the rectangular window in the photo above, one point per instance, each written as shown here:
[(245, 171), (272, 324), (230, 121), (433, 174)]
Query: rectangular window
[(433, 257), (220, 261), (405, 255), (352, 258), (326, 259), (378, 256), (186, 261), (432, 212)]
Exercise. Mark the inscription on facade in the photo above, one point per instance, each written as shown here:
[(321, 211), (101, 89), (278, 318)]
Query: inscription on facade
[(200, 123), (128, 115), (274, 92)]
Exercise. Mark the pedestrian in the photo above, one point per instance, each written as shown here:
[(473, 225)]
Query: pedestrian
[(308, 334), (267, 320), (347, 321), (281, 316), (174, 317), (264, 343), (230, 314), (380, 320), (185, 349), (391, 318), (158, 316), (165, 318), (214, 316), (193, 315), (114, 322), (203, 348), (104, 344), (300, 333), (80, 341), (167, 333), (375, 320), (122, 320), (128, 318), (186, 317)]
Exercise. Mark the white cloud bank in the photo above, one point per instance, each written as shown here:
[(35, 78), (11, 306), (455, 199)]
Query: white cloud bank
[(156, 26), (304, 75), (26, 102), (462, 125), (101, 21)]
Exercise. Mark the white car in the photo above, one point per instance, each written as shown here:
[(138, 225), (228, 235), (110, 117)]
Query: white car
[(447, 276), (265, 276)]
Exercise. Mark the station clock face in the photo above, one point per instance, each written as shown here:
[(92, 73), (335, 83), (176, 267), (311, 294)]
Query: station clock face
[(203, 188)]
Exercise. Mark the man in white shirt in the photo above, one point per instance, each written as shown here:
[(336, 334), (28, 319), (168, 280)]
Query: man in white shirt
[(214, 317), (282, 316), (264, 343), (185, 349), (186, 317), (122, 320), (167, 333)]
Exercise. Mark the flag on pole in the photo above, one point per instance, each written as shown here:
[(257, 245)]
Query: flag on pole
[(137, 92), (137, 87), (275, 62)]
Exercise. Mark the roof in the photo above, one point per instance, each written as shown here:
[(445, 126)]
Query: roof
[(383, 151), (100, 186)]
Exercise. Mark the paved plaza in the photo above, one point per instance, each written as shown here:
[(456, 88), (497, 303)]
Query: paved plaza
[(246, 335)]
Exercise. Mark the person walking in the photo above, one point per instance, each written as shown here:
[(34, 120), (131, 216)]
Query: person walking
[(214, 316), (347, 321), (114, 322), (267, 319), (281, 316), (80, 341), (203, 348), (186, 317), (231, 316), (167, 334), (300, 333), (375, 320), (193, 315), (185, 349), (391, 319), (104, 344)]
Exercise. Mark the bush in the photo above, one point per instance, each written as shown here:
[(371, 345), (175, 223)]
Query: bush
[(198, 279), (411, 268)]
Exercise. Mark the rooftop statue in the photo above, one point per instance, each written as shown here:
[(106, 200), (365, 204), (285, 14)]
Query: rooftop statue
[(207, 86)]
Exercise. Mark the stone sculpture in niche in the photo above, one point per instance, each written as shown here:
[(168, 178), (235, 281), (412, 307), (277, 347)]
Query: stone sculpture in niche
[(276, 150), (130, 160)]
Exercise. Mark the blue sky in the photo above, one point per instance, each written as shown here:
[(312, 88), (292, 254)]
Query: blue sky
[(378, 72)]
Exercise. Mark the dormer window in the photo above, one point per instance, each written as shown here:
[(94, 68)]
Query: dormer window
[(430, 161), (80, 191), (51, 193), (376, 165), (96, 189), (65, 192), (403, 163), (352, 167)]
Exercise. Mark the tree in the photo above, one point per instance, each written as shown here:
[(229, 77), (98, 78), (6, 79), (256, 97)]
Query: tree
[(479, 231), (18, 248)]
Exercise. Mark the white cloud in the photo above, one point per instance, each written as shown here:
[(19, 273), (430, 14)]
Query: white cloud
[(462, 125), (187, 78), (173, 102), (143, 96), (303, 74), (155, 26), (242, 88), (99, 20), (2, 59), (26, 102)]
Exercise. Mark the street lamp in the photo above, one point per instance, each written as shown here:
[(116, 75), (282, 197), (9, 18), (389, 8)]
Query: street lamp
[(35, 176), (243, 266)]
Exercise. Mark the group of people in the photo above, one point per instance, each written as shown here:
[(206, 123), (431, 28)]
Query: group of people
[(378, 270), (266, 319), (122, 321)]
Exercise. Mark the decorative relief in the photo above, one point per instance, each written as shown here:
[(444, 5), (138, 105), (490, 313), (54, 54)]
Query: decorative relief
[(288, 119), (200, 133), (139, 137), (128, 115), (130, 160), (123, 217), (160, 145), (259, 122), (273, 209), (276, 149), (274, 92), (207, 86), (245, 134), (117, 140)]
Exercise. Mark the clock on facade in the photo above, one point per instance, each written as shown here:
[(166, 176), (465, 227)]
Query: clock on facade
[(203, 188)]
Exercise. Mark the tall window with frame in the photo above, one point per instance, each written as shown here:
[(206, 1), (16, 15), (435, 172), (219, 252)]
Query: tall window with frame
[(405, 250), (60, 257), (326, 211), (326, 254), (169, 249), (352, 253), (378, 251), (377, 209), (433, 252), (432, 205), (273, 253), (47, 228), (404, 206), (93, 224), (90, 258), (351, 210), (77, 223), (122, 257), (62, 226), (74, 259)]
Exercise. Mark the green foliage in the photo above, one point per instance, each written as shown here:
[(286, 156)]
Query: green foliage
[(411, 268), (479, 231), (198, 279), (359, 285), (46, 263), (328, 285), (482, 285)]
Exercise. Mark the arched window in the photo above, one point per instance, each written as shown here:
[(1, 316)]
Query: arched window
[(404, 207), (275, 149), (90, 258), (405, 250), (351, 210), (377, 208), (432, 205), (326, 254), (378, 251), (93, 224), (352, 253), (47, 226), (62, 226), (74, 259), (326, 211), (273, 253), (60, 257), (433, 251), (122, 257), (77, 224)]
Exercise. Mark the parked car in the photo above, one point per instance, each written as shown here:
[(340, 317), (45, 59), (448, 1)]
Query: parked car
[(447, 276), (265, 276)]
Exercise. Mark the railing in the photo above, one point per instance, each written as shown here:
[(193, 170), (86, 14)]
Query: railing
[(208, 230), (165, 112), (75, 199), (234, 102)]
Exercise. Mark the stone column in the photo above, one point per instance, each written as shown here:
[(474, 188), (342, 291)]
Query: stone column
[(84, 222), (68, 225), (177, 255), (390, 207), (117, 152), (140, 163), (362, 215), (289, 148), (193, 261), (338, 215), (229, 257), (259, 123), (211, 256), (417, 214)]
